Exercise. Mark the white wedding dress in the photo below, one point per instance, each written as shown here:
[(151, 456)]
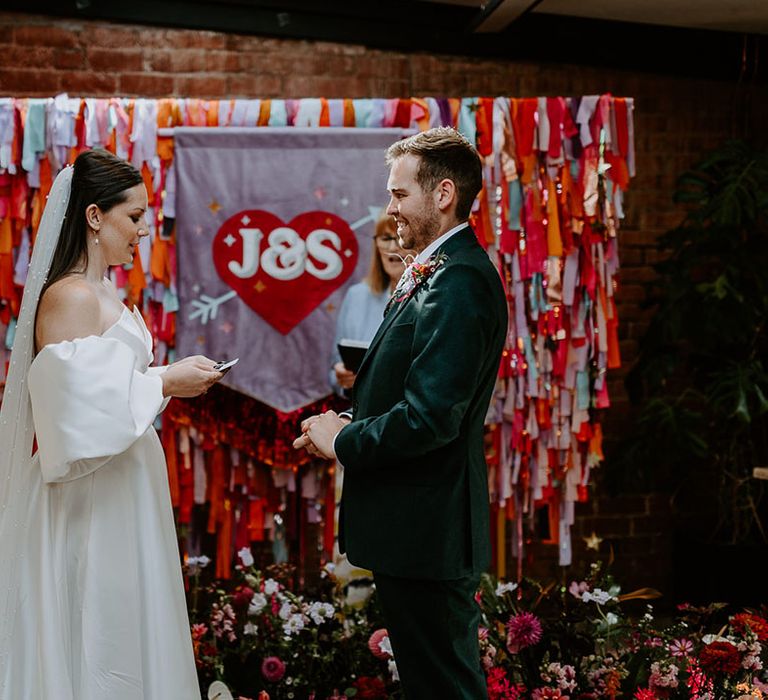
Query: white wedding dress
[(102, 614)]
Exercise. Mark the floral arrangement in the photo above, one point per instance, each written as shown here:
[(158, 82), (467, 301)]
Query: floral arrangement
[(582, 641), (258, 636), (414, 276)]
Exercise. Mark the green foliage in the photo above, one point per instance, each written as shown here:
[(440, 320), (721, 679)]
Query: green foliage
[(701, 380)]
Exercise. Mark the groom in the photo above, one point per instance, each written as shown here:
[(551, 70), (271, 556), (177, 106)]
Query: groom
[(414, 508)]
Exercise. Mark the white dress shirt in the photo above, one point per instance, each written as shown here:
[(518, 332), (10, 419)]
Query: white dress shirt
[(423, 256)]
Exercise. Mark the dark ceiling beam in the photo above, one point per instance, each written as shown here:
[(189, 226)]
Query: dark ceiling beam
[(411, 26), (497, 15)]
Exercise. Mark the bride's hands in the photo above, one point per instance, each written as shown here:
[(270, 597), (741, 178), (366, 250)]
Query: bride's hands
[(190, 377)]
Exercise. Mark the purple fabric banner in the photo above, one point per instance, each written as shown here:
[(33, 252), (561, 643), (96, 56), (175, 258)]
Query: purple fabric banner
[(273, 225)]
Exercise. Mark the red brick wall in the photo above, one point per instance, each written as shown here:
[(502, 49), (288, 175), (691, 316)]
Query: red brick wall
[(675, 121)]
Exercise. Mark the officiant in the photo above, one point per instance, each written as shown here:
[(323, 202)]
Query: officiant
[(362, 309)]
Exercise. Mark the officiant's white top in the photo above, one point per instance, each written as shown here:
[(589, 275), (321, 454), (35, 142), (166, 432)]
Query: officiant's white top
[(102, 614)]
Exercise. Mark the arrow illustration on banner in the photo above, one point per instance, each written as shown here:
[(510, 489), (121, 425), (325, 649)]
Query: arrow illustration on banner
[(373, 215), (206, 307)]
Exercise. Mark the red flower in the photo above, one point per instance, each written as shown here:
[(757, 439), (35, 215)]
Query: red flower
[(697, 682), (242, 596), (374, 644), (523, 630), (371, 688), (720, 657), (198, 631), (757, 624), (206, 650), (645, 694), (499, 687), (272, 669)]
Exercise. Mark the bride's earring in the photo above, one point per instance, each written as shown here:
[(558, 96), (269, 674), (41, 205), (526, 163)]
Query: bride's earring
[(96, 240)]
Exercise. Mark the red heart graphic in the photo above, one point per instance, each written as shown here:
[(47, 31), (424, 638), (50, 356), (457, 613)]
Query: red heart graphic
[(284, 271)]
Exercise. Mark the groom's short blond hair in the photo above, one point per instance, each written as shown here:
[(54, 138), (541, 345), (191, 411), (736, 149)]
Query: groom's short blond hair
[(444, 154)]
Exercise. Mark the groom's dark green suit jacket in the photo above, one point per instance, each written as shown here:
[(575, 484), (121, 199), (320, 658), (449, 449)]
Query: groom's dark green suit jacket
[(415, 496)]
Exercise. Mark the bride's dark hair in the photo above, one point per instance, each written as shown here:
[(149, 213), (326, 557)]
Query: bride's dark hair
[(99, 178)]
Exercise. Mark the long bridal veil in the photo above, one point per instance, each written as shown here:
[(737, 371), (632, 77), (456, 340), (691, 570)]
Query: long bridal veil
[(19, 482)]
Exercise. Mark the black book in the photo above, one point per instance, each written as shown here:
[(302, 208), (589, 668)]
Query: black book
[(352, 353)]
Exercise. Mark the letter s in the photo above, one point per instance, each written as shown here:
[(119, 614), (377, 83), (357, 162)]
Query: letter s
[(324, 254)]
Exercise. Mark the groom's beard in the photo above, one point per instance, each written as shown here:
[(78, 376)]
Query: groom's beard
[(420, 230)]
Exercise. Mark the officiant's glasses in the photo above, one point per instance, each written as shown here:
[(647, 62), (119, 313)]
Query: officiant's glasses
[(385, 241)]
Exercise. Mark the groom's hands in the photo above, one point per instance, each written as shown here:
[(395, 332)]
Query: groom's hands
[(318, 434)]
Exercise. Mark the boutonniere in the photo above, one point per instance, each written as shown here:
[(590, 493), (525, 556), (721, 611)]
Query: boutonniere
[(414, 276)]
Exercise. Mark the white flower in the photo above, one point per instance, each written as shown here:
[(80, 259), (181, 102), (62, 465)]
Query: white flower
[(271, 586), (576, 589), (386, 646), (250, 628), (219, 690), (320, 612), (752, 660), (314, 612), (258, 603), (611, 618), (393, 670), (294, 625), (564, 676), (598, 595), (502, 588), (349, 628), (663, 675), (358, 595), (202, 561), (285, 610), (245, 556)]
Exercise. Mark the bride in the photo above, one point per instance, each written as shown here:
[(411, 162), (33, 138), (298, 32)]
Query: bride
[(91, 593)]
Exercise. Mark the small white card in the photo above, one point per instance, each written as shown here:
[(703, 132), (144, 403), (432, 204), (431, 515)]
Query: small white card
[(224, 366)]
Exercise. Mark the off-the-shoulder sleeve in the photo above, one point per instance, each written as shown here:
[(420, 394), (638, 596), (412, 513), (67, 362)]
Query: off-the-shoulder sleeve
[(90, 402), (156, 372)]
